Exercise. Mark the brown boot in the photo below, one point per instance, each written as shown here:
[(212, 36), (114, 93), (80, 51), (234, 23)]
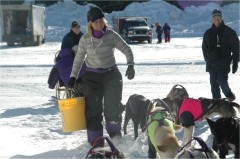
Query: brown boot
[(231, 97)]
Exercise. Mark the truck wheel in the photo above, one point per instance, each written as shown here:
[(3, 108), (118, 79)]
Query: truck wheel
[(10, 43), (150, 41), (39, 42)]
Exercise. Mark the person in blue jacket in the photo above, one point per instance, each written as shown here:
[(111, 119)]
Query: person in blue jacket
[(72, 38), (166, 31), (62, 69)]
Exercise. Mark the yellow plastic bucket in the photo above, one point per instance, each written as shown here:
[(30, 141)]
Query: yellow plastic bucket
[(72, 113)]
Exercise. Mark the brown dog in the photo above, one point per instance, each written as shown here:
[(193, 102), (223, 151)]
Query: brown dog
[(161, 134), (178, 92)]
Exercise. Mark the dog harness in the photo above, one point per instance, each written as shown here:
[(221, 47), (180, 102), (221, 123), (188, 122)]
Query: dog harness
[(157, 119), (204, 148), (94, 153), (193, 106)]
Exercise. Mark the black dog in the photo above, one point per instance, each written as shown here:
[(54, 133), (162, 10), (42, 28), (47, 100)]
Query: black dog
[(226, 135), (136, 109)]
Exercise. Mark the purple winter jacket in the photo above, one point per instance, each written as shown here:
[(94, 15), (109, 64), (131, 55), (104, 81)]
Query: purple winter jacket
[(62, 69)]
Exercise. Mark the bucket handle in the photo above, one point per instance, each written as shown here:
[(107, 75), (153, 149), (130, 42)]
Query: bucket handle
[(68, 93)]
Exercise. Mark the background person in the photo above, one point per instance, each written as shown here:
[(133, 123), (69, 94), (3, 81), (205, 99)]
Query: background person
[(159, 31), (166, 30), (71, 41), (72, 38), (102, 79), (220, 47)]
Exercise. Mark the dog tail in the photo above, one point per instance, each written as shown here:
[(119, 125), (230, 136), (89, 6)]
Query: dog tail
[(236, 105)]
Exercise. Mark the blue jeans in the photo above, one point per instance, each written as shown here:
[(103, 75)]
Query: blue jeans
[(219, 79)]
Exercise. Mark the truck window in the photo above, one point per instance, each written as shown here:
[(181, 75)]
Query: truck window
[(136, 23)]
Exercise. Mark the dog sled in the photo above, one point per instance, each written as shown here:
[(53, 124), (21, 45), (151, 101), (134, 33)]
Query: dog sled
[(62, 92), (55, 82), (60, 75)]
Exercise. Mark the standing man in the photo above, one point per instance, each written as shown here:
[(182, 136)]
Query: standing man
[(220, 48), (159, 31), (72, 38), (71, 41), (102, 80)]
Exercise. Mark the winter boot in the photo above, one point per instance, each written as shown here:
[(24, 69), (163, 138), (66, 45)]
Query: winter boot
[(114, 129), (93, 135), (231, 97)]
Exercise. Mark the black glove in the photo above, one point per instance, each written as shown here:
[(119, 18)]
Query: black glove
[(71, 82), (80, 80), (234, 67), (130, 73)]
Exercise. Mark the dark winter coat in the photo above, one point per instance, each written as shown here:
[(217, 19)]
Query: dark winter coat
[(62, 69), (159, 30), (166, 29), (71, 39), (220, 46)]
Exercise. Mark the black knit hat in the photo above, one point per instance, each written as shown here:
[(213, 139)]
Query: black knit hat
[(74, 24), (217, 12), (94, 14)]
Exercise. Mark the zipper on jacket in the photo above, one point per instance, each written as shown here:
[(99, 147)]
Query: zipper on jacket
[(218, 45), (96, 46)]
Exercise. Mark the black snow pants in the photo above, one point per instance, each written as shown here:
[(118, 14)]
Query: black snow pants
[(103, 94)]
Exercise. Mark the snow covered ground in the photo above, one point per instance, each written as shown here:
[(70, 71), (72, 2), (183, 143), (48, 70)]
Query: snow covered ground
[(30, 119), (30, 122)]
